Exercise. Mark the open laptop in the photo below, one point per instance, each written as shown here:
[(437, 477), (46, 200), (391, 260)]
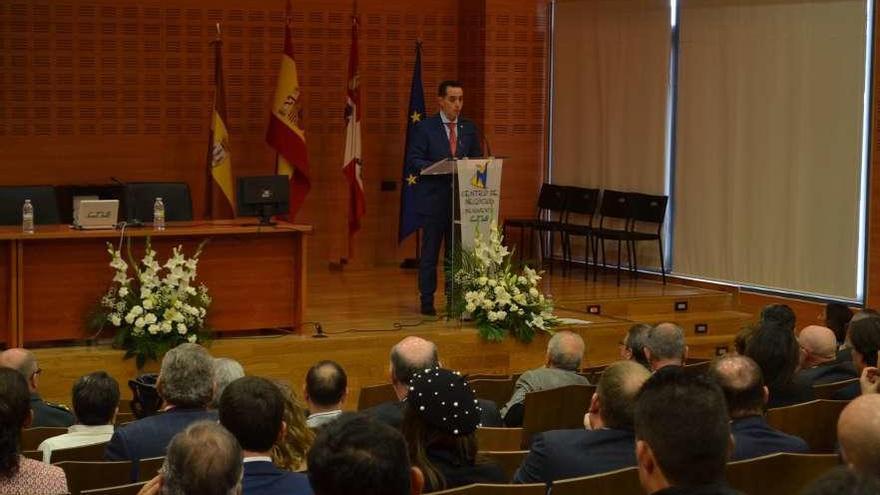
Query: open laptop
[(97, 213)]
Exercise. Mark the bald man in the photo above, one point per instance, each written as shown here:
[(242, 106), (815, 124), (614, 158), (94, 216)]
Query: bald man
[(858, 431), (408, 356), (819, 362), (45, 413)]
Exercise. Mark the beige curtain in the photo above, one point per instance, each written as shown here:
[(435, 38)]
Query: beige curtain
[(769, 138), (610, 80)]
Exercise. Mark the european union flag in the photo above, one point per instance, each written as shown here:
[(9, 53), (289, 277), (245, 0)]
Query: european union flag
[(409, 220)]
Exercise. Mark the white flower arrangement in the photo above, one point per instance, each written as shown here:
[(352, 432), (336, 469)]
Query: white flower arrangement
[(156, 309), (497, 298)]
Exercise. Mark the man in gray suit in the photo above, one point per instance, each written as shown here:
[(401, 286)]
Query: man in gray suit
[(565, 351)]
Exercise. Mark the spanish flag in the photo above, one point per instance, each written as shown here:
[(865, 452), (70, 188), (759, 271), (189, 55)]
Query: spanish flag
[(285, 133), (219, 192)]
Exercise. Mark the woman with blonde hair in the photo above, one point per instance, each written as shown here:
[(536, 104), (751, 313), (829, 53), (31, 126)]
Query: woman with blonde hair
[(291, 451)]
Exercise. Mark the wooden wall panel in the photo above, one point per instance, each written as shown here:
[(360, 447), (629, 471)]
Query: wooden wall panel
[(91, 89)]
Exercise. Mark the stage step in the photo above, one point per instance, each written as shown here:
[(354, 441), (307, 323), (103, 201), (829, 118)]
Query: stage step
[(636, 307), (702, 323)]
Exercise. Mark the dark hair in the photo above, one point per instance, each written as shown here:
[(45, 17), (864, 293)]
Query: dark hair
[(95, 397), (15, 406), (441, 90), (326, 383), (864, 335), (743, 385), (777, 352), (635, 342), (358, 454), (837, 317), (781, 314), (252, 408), (683, 418), (844, 481)]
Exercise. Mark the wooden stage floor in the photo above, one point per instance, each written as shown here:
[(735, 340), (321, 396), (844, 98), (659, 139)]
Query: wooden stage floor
[(364, 312)]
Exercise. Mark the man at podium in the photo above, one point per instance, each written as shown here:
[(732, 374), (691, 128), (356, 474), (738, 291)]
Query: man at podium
[(443, 135)]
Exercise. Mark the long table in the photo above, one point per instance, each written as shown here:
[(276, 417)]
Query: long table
[(54, 277)]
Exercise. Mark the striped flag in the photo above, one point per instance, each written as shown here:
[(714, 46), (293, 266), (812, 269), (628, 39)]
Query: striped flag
[(285, 133), (352, 164), (219, 192)]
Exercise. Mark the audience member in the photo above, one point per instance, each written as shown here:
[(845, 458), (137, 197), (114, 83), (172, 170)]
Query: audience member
[(858, 432), (45, 413), (439, 425), (777, 353), (186, 384), (325, 391), (226, 371), (18, 474), (252, 409), (837, 317), (819, 357), (204, 458), (565, 352), (374, 455), (780, 315), (95, 404), (844, 355), (410, 355), (633, 345), (843, 481), (606, 445), (740, 379), (682, 435), (664, 346), (864, 340), (290, 452)]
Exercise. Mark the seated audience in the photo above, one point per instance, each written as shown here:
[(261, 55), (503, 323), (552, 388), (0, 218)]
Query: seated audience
[(440, 424), (252, 409), (664, 346), (408, 356), (45, 413), (95, 404), (565, 352), (682, 435), (290, 451), (740, 379), (608, 442), (633, 345), (18, 474), (780, 315), (777, 353), (843, 481), (837, 317), (858, 432), (864, 340), (374, 455), (186, 384), (188, 470), (326, 390), (819, 357), (226, 371)]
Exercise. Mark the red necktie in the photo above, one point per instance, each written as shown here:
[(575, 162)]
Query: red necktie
[(453, 138)]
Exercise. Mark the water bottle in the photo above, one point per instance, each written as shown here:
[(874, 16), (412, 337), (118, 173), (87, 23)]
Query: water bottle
[(27, 217), (158, 215)]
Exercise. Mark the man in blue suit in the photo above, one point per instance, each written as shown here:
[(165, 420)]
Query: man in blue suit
[(444, 135), (252, 409)]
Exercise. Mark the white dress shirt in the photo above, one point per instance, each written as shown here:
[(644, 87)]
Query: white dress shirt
[(76, 436)]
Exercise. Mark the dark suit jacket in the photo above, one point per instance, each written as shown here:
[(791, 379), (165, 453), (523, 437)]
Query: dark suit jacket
[(849, 392), (753, 437), (828, 373), (429, 144), (391, 413), (46, 414), (711, 489), (561, 454), (794, 392), (263, 478), (150, 436), (457, 473)]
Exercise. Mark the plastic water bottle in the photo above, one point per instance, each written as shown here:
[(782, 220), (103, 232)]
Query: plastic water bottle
[(158, 215), (27, 217)]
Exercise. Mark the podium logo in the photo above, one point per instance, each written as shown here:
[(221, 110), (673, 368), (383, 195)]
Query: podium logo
[(479, 178)]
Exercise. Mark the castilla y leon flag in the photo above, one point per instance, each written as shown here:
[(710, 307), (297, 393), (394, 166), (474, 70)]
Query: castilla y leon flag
[(285, 133), (219, 192), (352, 163)]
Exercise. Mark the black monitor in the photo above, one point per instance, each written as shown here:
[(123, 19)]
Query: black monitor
[(263, 197)]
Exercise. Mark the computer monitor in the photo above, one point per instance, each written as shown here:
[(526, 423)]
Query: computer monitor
[(263, 197)]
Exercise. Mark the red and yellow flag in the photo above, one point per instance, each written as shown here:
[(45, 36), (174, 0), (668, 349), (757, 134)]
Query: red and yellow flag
[(219, 191), (285, 133)]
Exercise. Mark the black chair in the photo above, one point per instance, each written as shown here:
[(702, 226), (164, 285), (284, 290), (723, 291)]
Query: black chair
[(614, 225), (646, 208), (43, 198), (551, 203), (582, 202), (141, 196)]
